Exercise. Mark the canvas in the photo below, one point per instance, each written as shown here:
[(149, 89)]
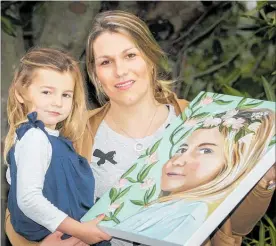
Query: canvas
[(182, 187)]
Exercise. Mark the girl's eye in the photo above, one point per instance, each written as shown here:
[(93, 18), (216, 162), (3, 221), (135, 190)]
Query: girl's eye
[(131, 55), (46, 92), (205, 151), (67, 95)]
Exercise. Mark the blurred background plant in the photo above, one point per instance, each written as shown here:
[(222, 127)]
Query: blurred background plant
[(224, 47)]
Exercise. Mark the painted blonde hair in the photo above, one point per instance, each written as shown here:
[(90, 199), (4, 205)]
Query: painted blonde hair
[(117, 21), (51, 59), (240, 158)]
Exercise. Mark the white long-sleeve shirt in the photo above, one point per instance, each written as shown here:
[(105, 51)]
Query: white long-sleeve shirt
[(33, 153)]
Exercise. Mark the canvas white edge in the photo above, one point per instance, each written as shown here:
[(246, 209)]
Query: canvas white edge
[(216, 217)]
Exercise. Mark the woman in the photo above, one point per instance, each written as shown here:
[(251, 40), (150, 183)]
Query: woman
[(206, 167), (125, 63)]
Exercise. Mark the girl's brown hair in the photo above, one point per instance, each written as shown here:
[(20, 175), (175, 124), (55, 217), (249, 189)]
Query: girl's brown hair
[(51, 59)]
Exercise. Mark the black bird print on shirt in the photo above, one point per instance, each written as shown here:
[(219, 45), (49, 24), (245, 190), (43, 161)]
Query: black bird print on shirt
[(104, 157)]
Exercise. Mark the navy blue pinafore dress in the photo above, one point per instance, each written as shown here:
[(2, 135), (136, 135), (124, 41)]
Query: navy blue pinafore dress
[(69, 183)]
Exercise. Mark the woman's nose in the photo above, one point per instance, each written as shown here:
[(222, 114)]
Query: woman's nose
[(179, 160), (121, 69)]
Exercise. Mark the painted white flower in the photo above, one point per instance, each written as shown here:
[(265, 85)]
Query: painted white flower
[(234, 123), (206, 101), (254, 126), (121, 183), (230, 114), (210, 121), (259, 115), (113, 207), (247, 138), (148, 183), (152, 158), (191, 122)]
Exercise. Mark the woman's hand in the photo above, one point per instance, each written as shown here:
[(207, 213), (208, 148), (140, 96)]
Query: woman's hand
[(268, 181), (54, 239)]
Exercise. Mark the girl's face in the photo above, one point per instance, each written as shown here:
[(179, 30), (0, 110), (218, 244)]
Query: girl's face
[(50, 95), (121, 69), (198, 161)]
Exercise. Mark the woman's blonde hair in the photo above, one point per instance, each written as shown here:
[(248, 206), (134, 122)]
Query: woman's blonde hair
[(117, 21), (51, 59), (240, 158)]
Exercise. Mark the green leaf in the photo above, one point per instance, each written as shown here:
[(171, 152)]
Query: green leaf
[(222, 102), (261, 234), (272, 234), (142, 156), (146, 197), (201, 115), (137, 202), (118, 209), (7, 26), (112, 194), (251, 105), (231, 91), (154, 147), (129, 171), (274, 73), (238, 135), (123, 192), (183, 116), (261, 4), (269, 221), (151, 194), (145, 173), (268, 90), (242, 102), (131, 180)]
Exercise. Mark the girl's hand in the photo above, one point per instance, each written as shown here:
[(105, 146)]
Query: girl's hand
[(54, 239), (91, 233)]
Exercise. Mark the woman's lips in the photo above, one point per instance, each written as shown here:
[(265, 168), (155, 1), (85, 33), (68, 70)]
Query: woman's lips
[(173, 174), (125, 85)]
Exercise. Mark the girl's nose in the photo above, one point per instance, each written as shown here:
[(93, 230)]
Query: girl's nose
[(57, 101)]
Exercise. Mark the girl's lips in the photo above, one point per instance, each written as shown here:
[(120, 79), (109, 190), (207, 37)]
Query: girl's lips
[(173, 174), (54, 113), (125, 85)]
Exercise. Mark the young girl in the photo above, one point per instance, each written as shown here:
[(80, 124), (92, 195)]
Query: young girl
[(52, 186)]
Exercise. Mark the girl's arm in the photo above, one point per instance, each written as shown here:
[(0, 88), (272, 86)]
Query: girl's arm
[(33, 154)]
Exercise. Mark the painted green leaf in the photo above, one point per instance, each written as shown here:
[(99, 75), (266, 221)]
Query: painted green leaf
[(272, 142), (131, 180), (112, 194), (123, 192), (152, 192), (142, 156), (183, 116), (146, 197), (118, 209), (269, 92), (129, 171), (106, 218), (201, 115), (116, 220), (222, 102), (137, 202), (199, 99), (242, 102), (261, 234), (251, 105), (145, 173), (154, 147)]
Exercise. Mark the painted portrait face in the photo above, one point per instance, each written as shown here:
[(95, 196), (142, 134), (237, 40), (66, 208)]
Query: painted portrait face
[(198, 160), (121, 69)]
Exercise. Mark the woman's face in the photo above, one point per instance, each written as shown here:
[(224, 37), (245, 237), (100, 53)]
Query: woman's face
[(197, 161), (121, 69)]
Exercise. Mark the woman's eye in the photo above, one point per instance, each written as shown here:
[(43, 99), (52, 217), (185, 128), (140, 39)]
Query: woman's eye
[(46, 92), (131, 55), (205, 151), (104, 63)]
